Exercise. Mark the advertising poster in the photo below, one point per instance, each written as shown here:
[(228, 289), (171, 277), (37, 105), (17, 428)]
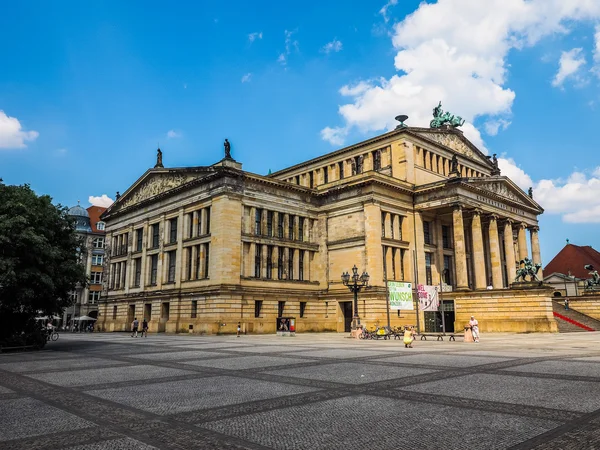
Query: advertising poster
[(401, 296), (429, 300)]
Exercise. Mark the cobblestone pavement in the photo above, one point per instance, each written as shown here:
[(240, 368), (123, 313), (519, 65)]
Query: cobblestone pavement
[(312, 391)]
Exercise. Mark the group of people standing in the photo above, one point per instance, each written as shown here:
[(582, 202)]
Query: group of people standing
[(135, 327)]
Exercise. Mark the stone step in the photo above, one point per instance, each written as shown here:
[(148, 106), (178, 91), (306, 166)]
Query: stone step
[(576, 320)]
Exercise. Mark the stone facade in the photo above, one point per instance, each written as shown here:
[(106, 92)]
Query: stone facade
[(200, 249)]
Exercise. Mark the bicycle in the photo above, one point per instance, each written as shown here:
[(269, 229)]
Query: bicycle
[(52, 335)]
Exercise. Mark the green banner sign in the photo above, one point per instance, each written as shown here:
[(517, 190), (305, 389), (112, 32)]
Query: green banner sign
[(401, 296)]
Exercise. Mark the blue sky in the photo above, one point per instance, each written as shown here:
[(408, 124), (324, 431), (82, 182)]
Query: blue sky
[(89, 90)]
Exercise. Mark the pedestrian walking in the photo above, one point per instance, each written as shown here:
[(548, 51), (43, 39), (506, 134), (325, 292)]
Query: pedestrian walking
[(145, 328), (474, 328), (239, 329), (566, 304), (134, 327)]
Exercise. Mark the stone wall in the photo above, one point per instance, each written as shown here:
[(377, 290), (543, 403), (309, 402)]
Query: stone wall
[(587, 304)]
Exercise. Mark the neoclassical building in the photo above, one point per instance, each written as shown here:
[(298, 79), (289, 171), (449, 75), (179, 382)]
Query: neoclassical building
[(199, 249)]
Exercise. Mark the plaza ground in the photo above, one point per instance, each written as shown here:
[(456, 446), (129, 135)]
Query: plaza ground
[(312, 391)]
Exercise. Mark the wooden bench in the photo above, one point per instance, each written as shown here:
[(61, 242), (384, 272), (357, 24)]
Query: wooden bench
[(440, 336)]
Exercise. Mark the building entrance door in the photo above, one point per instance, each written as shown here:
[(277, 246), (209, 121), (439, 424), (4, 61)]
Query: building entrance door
[(433, 319), (347, 312)]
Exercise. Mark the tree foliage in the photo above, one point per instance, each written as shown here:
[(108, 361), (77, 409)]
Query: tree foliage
[(39, 264)]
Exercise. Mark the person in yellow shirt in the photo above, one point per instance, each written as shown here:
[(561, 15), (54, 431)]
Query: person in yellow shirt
[(409, 336)]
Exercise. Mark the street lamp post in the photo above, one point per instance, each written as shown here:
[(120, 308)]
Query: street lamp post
[(355, 283)]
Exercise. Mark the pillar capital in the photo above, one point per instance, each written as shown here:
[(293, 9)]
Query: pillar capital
[(522, 225), (534, 229)]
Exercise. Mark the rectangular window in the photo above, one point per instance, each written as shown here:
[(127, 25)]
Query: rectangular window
[(114, 312), (190, 225), (392, 220), (94, 297), (198, 263), (257, 261), (383, 215), (446, 236), (257, 307), (280, 308), (206, 260), (124, 242), (194, 309), (291, 221), (269, 223), (155, 235), (269, 262), (98, 242), (326, 175), (428, 277), (153, 269), (124, 274), (301, 265), (427, 233), (207, 220), (311, 180), (138, 272), (188, 275), (172, 264), (173, 230), (280, 263), (290, 264), (341, 169), (448, 276), (96, 278), (280, 225), (302, 308), (139, 239), (300, 228), (376, 160), (97, 260), (257, 221)]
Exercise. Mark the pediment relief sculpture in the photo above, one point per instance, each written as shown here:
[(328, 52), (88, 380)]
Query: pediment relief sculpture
[(451, 141), (502, 190), (154, 186)]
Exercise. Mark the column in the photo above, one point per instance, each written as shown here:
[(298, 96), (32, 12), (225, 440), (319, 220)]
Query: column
[(460, 256), (388, 263), (263, 261), (296, 220), (250, 261), (419, 248), (496, 260), (306, 229), (179, 273), (398, 264), (201, 262), (373, 249), (397, 227), (286, 226), (263, 222), (388, 225), (144, 281), (478, 255), (522, 239), (296, 264), (275, 262), (307, 261), (195, 224), (252, 220), (536, 255), (509, 248)]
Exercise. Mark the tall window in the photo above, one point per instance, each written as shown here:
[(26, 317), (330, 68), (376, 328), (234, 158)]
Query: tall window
[(124, 242), (138, 272), (269, 223), (96, 278), (153, 269), (446, 236), (172, 264), (139, 239), (190, 225), (448, 275), (206, 260), (300, 228), (427, 232), (383, 215), (376, 160), (392, 220), (269, 262), (257, 307), (188, 275), (94, 297), (301, 265), (280, 263), (428, 277), (302, 308), (100, 226), (280, 309), (194, 309), (326, 175), (98, 242), (198, 262), (207, 220), (114, 312), (290, 264), (257, 221), (280, 225), (155, 235), (124, 274), (173, 230), (117, 276), (291, 221), (257, 260), (341, 169), (97, 260), (311, 179)]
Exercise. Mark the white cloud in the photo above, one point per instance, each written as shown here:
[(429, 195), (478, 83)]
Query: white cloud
[(104, 200), (383, 11), (596, 56), (335, 136), (254, 36), (289, 45), (508, 167), (568, 66), (246, 78), (172, 134), (61, 152), (455, 51), (493, 126), (11, 134), (333, 46)]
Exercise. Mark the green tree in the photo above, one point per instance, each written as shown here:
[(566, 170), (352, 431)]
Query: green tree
[(39, 264)]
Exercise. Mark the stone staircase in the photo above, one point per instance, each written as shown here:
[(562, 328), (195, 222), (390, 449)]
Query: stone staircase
[(570, 320)]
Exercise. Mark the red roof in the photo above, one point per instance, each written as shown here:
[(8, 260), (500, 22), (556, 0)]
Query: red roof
[(571, 259), (94, 212)]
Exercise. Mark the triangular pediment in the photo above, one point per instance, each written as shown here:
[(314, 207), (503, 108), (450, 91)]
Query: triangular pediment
[(456, 142), (504, 188), (157, 182)]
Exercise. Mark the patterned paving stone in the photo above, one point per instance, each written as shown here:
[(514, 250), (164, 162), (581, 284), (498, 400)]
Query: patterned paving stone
[(271, 349), (442, 360), (57, 364), (568, 367), (245, 362), (108, 375), (343, 353), (223, 345), (370, 422), (574, 395), (351, 373), (115, 444), (24, 417), (190, 395), (180, 356), (4, 390)]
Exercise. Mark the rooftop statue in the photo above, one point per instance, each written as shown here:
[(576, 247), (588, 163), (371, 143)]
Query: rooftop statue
[(441, 118), (159, 162), (594, 282), (529, 269), (227, 146)]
